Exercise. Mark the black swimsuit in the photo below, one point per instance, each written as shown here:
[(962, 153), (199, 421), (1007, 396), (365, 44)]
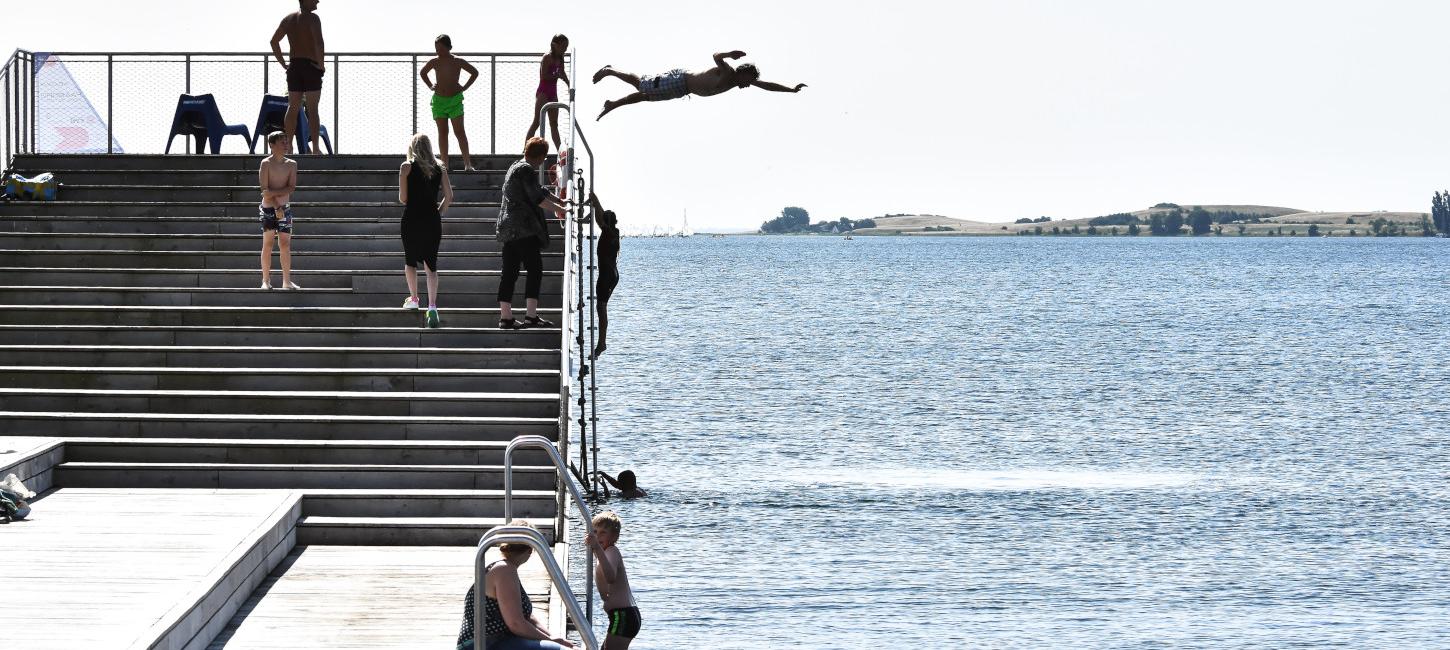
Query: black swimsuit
[(422, 226)]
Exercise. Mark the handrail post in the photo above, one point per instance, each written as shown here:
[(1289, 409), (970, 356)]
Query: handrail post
[(110, 103), (188, 91), (6, 132), (493, 104), (336, 128), (415, 97)]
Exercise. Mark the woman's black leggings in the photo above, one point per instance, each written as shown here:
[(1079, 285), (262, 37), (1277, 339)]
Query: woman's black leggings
[(529, 253)]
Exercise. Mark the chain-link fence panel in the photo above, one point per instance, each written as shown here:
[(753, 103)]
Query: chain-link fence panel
[(369, 103)]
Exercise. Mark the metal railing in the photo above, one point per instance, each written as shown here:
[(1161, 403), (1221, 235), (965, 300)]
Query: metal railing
[(540, 442), (17, 78), (372, 102), (535, 540)]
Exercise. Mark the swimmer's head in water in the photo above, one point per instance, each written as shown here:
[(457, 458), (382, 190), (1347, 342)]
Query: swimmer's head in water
[(627, 480), (535, 150), (443, 44), (607, 521), (559, 45), (746, 75), (513, 550)]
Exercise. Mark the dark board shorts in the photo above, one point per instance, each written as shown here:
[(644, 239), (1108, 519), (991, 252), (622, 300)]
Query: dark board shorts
[(304, 76)]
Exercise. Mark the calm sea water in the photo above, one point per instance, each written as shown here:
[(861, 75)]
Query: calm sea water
[(1034, 442)]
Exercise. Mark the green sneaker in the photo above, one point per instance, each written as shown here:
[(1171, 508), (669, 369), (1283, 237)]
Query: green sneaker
[(432, 320)]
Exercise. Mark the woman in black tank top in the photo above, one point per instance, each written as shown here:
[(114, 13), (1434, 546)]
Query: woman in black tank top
[(420, 181)]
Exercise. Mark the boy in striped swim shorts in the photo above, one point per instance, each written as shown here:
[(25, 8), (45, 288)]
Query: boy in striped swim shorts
[(679, 83), (613, 581)]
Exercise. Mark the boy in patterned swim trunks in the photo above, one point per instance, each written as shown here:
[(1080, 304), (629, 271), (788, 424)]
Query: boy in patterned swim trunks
[(679, 83), (447, 100), (277, 177), (613, 581)]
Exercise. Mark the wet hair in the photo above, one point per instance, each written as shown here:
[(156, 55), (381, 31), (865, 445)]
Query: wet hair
[(626, 478), (750, 70), (557, 38), (608, 520), (609, 221), (275, 137), (536, 146), (420, 153), (514, 549), (445, 41)]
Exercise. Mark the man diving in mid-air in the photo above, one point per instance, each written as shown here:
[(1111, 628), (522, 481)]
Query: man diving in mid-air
[(679, 83)]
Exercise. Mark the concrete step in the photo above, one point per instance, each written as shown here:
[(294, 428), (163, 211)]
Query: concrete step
[(229, 209), (304, 261), (35, 163), (281, 357), (484, 296), (384, 281), (290, 380), (311, 192), (251, 476), (326, 317), (400, 531), (516, 405), (261, 336), (532, 504), (387, 227), (315, 177), (296, 452), (65, 422), (302, 242)]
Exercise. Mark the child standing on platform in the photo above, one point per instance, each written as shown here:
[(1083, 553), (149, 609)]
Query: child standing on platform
[(277, 178), (551, 72), (420, 180), (447, 100)]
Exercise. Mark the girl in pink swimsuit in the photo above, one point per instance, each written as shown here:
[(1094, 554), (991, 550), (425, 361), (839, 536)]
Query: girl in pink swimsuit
[(551, 71)]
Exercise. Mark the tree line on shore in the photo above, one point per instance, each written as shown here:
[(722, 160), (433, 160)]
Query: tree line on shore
[(797, 220)]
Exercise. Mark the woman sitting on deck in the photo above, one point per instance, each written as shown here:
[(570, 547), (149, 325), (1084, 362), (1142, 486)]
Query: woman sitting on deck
[(511, 624)]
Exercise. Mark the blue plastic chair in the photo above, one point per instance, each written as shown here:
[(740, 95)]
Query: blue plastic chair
[(198, 117), (272, 116)]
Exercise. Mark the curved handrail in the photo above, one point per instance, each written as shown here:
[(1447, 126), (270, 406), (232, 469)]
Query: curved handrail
[(536, 541), (541, 442)]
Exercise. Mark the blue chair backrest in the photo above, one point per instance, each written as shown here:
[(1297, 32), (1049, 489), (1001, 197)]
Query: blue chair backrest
[(197, 113)]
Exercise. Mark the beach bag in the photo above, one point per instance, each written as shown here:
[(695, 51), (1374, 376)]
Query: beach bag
[(41, 188)]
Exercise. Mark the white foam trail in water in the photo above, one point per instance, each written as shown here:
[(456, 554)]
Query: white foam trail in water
[(1006, 480)]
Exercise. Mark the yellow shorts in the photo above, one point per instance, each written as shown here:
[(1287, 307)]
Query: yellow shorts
[(445, 108)]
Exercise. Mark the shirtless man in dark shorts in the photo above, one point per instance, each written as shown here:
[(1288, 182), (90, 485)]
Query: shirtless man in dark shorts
[(679, 83), (303, 31)]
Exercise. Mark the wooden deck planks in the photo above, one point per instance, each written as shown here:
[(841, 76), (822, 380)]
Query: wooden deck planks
[(366, 597), (102, 566)]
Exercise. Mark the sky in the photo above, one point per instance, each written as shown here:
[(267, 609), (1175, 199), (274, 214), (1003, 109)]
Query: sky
[(984, 110)]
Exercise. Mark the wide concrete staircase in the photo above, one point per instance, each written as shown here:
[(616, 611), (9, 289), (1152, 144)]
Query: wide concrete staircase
[(131, 326)]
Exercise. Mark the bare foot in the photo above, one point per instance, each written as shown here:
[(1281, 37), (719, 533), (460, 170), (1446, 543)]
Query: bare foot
[(608, 106), (603, 72), (599, 349), (468, 167)]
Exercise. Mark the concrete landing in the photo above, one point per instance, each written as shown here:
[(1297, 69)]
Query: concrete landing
[(124, 568), (367, 597)]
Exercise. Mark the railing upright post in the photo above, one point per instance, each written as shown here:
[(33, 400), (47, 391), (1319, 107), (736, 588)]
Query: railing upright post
[(336, 128), (111, 103), (8, 137), (266, 75), (493, 104), (34, 91), (188, 91), (415, 97)]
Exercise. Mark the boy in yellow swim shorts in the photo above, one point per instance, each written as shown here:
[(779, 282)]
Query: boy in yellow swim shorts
[(447, 103)]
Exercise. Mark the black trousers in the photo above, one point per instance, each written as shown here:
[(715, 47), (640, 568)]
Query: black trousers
[(528, 253)]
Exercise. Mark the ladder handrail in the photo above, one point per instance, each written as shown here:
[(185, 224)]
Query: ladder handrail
[(535, 540), (541, 442)]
